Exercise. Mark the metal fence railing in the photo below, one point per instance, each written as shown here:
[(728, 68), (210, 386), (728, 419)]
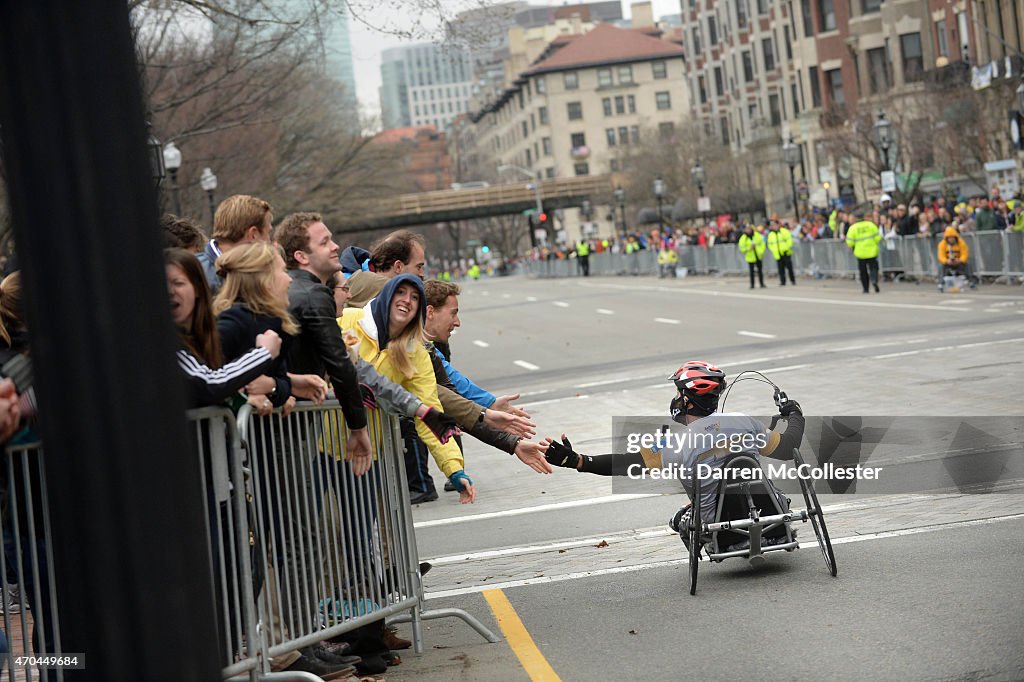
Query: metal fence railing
[(998, 255), (300, 548)]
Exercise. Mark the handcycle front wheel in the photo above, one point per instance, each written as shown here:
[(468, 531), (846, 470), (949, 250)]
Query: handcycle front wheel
[(693, 529), (816, 517)]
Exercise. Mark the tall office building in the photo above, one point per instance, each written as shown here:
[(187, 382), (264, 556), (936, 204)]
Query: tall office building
[(424, 84), (338, 50)]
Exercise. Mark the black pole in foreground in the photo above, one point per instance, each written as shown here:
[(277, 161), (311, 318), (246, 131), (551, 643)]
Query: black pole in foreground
[(130, 549)]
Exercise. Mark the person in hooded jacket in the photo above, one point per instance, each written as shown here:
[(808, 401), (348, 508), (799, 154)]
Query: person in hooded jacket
[(953, 253), (388, 333)]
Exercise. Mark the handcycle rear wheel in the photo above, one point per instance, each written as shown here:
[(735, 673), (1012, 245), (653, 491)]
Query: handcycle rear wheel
[(694, 534), (817, 518)]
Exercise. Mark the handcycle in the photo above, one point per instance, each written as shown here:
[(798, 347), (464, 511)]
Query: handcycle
[(750, 518)]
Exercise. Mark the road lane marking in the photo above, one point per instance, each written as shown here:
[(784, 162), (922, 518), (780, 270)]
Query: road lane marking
[(756, 335), (666, 320), (790, 368), (519, 639), (506, 295), (482, 344), (958, 301), (554, 400), (537, 508), (531, 299), (526, 365), (539, 580), (561, 304), (539, 392), (605, 311), (591, 384), (941, 349)]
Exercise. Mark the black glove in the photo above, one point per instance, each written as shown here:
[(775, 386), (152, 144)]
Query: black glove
[(561, 454), (790, 407), (369, 400), (440, 424)]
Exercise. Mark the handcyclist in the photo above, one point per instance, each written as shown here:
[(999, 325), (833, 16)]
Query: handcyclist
[(699, 386)]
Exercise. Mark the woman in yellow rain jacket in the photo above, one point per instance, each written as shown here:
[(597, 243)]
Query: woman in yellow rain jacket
[(389, 335)]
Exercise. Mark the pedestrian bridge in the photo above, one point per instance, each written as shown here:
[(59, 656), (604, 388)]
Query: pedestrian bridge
[(425, 208)]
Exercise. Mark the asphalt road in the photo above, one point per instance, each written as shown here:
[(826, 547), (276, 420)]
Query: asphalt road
[(928, 587)]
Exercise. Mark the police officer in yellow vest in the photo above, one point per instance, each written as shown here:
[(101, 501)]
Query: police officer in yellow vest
[(752, 247), (780, 243), (863, 237), (583, 257)]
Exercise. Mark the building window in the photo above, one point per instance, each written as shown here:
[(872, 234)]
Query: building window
[(719, 82), (741, 13), (578, 140), (529, 158), (666, 129), (620, 105), (748, 66), (870, 6), (769, 54), (582, 168), (662, 100), (545, 144), (609, 133), (834, 78), (526, 130), (623, 135), (789, 43), (575, 110), (712, 32), (762, 6), (773, 109), (540, 85), (631, 104), (796, 100), (659, 70), (571, 80), (606, 104), (878, 71), (812, 77), (634, 134), (696, 40), (542, 114), (625, 74), (533, 122), (614, 165), (723, 124), (604, 78), (805, 12), (827, 14), (702, 86), (940, 38), (913, 59)]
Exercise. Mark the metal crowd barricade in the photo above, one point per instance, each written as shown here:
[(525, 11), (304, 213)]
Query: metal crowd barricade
[(339, 549), (31, 621)]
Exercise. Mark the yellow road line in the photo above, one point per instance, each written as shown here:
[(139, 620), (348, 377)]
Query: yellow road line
[(530, 657)]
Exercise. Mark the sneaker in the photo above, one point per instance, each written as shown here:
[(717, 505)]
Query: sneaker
[(12, 601)]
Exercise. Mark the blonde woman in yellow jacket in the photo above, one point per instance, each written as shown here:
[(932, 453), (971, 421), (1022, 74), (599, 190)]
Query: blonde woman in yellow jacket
[(389, 335)]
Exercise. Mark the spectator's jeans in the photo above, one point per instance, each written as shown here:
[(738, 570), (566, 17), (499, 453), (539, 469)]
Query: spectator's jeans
[(416, 464), (866, 266)]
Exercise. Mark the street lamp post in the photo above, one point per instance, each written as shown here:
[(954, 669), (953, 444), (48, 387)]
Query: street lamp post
[(620, 197), (172, 162), (828, 199), (535, 176), (208, 181), (698, 176), (156, 157), (659, 193), (791, 155), (883, 138)]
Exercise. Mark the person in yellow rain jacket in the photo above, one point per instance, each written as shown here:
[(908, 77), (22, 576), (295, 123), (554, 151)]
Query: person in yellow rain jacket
[(780, 243), (953, 253), (668, 260), (752, 247), (863, 237), (388, 333)]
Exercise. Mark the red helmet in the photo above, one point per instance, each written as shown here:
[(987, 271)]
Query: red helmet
[(699, 379)]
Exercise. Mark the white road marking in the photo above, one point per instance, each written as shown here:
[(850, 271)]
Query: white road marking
[(485, 293), (945, 348), (531, 510), (605, 311), (959, 301), (526, 365), (756, 335), (561, 304), (878, 345), (776, 370), (482, 344), (666, 320), (591, 384), (506, 295), (540, 580), (540, 392), (531, 299), (554, 400)]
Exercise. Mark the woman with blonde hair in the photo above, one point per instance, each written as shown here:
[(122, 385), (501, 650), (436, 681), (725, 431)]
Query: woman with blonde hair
[(388, 333), (253, 299)]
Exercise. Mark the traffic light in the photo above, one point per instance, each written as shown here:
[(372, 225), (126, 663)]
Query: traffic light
[(485, 248), (543, 218)]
